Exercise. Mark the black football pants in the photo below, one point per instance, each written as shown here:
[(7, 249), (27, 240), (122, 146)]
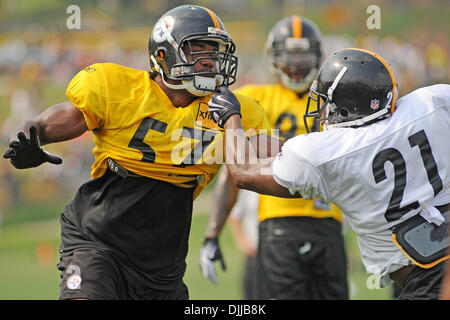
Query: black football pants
[(301, 258)]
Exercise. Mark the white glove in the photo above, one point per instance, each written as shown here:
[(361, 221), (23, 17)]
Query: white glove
[(209, 253)]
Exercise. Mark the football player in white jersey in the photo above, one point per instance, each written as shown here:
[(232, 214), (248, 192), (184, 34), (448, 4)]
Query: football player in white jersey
[(383, 161)]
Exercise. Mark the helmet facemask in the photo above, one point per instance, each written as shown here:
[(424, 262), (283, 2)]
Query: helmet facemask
[(315, 108), (294, 63), (328, 112), (203, 82)]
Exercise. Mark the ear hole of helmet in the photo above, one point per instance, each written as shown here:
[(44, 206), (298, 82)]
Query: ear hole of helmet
[(161, 53), (343, 112)]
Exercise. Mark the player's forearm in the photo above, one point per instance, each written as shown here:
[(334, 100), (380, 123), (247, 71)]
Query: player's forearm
[(225, 195), (240, 156), (265, 146), (57, 123), (246, 169)]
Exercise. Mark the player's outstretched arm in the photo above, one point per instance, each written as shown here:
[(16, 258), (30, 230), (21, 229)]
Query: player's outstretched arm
[(246, 169), (57, 123)]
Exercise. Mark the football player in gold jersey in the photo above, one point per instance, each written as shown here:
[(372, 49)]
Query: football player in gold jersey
[(125, 233), (301, 251)]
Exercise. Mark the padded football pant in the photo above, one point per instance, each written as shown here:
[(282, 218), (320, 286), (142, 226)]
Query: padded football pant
[(126, 238), (101, 276), (301, 258)]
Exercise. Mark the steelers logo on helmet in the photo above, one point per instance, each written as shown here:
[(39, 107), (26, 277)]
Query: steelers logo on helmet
[(355, 87), (175, 53), (163, 28)]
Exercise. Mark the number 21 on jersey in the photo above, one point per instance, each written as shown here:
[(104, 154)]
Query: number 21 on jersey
[(420, 140)]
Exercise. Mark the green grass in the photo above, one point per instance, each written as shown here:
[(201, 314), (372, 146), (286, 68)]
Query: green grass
[(229, 286), (25, 274), (22, 274), (27, 213)]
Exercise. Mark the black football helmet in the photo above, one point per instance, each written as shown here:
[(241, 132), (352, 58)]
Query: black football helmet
[(170, 43), (294, 48), (355, 87)]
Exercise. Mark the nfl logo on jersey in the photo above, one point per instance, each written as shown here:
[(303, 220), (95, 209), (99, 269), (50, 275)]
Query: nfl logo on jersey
[(374, 104)]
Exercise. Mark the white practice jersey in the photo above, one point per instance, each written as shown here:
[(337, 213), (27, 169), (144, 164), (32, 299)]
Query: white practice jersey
[(378, 175)]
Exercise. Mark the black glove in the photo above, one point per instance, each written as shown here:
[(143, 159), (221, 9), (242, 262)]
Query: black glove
[(223, 104), (208, 254), (27, 153)]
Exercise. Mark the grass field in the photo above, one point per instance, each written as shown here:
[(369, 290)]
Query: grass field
[(29, 253)]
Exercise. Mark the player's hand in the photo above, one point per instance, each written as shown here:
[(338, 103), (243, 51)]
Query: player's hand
[(209, 253), (27, 153), (223, 104)]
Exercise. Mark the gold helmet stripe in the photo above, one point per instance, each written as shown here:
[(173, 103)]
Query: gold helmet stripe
[(214, 18), (296, 27), (388, 68)]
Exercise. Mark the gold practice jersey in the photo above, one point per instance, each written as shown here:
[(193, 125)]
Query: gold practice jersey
[(285, 112), (136, 124)]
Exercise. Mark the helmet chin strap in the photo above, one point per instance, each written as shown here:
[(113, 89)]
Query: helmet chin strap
[(161, 72), (202, 83), (359, 122)]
